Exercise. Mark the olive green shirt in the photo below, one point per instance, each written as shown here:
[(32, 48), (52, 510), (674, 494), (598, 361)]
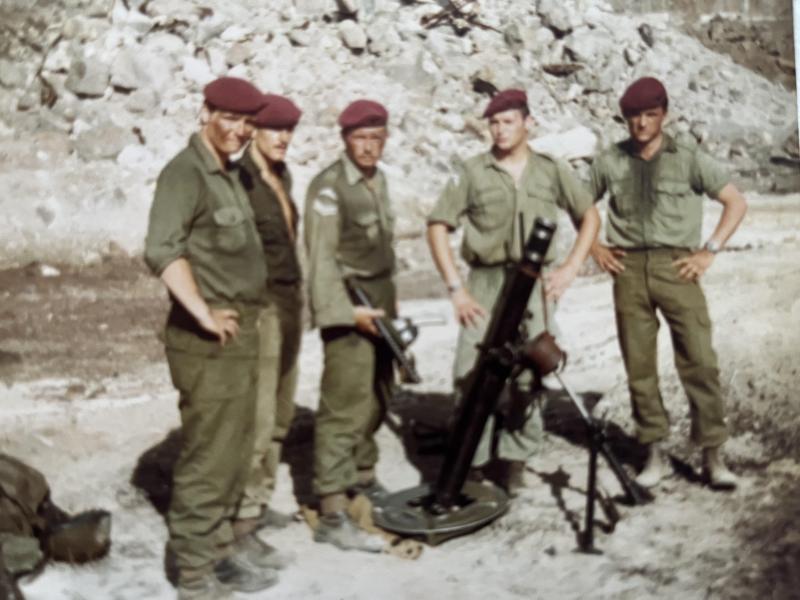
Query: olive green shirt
[(201, 213), (484, 196), (348, 232), (655, 203), (280, 249)]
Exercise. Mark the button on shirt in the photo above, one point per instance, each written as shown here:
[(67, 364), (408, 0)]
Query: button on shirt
[(485, 198), (200, 212), (655, 203)]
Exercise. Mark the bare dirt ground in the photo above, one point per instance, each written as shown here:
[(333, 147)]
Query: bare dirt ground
[(85, 392)]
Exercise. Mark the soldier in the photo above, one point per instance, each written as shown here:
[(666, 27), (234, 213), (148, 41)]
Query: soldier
[(33, 528), (203, 244), (348, 233), (493, 193), (268, 182), (654, 227)]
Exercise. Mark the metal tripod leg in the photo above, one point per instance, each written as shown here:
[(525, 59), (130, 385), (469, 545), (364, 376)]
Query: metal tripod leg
[(587, 535)]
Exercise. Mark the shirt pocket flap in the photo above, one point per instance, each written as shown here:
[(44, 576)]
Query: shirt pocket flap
[(228, 216), (673, 187), (366, 219)]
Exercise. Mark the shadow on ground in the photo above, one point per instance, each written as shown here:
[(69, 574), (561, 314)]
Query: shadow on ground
[(153, 472), (422, 420)]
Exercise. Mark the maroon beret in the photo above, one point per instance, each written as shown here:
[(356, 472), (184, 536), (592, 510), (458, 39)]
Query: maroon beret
[(278, 113), (506, 100), (363, 113), (234, 95), (643, 94)]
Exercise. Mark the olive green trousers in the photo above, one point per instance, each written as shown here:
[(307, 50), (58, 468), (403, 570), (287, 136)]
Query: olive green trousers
[(280, 330), (485, 285), (650, 284), (356, 384), (217, 386)]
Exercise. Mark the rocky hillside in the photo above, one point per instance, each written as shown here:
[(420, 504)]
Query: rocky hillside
[(95, 96)]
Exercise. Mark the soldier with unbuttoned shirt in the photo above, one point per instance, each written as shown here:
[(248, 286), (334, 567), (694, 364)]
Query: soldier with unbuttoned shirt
[(203, 244), (348, 234), (267, 180), (497, 196), (654, 183)]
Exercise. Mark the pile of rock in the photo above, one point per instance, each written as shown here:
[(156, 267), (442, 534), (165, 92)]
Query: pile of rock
[(95, 95)]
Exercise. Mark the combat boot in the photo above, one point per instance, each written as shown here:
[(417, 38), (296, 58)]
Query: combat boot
[(261, 554), (339, 530), (656, 467), (202, 586), (715, 473), (238, 573), (272, 519)]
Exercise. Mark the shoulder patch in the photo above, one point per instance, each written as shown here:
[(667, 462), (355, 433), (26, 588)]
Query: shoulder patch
[(326, 202), (328, 194)]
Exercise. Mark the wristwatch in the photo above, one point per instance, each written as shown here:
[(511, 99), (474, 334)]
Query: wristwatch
[(453, 287), (712, 246)]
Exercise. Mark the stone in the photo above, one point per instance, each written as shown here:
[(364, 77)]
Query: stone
[(632, 56), (235, 33), (590, 46), (29, 98), (88, 76), (646, 32), (104, 141), (100, 9), (197, 71), (210, 28), (300, 37), (46, 214), (556, 16), (349, 7), (542, 38), (353, 35), (579, 142), (136, 156), (313, 7), (512, 35), (134, 20), (67, 107), (134, 68), (238, 54), (142, 101), (217, 61), (14, 74), (59, 57), (384, 39)]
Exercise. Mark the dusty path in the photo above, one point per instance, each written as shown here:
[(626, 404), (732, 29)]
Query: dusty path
[(85, 393)]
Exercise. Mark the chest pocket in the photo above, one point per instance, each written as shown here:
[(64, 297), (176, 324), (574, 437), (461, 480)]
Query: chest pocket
[(540, 202), (673, 198), (231, 229), (367, 228), (490, 209), (622, 196)]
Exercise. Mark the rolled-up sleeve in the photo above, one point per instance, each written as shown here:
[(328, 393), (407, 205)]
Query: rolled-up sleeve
[(452, 202), (171, 214), (597, 180), (707, 175), (574, 197)]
